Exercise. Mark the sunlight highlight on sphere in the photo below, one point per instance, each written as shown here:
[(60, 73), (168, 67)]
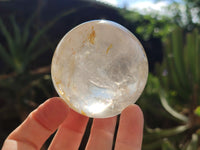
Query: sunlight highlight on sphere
[(99, 68)]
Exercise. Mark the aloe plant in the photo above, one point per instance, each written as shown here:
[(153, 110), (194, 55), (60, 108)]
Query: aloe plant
[(20, 50), (20, 85), (178, 89)]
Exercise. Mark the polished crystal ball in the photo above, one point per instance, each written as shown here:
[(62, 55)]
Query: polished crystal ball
[(99, 68)]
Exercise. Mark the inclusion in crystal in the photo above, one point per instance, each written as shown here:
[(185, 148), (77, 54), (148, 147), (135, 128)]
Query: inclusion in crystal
[(99, 68)]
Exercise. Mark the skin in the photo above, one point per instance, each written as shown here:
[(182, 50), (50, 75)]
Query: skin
[(54, 115)]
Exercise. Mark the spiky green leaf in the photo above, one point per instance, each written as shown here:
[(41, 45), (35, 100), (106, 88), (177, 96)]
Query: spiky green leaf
[(8, 37), (5, 56), (177, 46), (26, 30), (17, 33), (38, 35)]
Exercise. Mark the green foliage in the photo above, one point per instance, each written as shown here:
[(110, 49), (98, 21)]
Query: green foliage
[(167, 145), (186, 14), (20, 50), (21, 85), (197, 111), (177, 87), (149, 25), (193, 144), (182, 64)]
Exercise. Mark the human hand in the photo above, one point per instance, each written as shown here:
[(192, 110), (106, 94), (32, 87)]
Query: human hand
[(55, 114)]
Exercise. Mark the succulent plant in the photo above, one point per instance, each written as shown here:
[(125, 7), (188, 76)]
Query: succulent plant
[(178, 88)]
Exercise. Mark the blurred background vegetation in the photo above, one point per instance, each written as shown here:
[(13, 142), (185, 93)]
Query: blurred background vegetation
[(30, 31)]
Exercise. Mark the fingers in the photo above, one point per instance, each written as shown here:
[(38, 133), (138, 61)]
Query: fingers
[(70, 133), (42, 122), (102, 132), (39, 125), (130, 130)]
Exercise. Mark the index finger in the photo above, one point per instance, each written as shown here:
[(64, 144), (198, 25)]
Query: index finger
[(38, 126)]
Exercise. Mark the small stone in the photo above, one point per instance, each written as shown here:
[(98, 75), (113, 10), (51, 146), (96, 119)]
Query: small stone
[(99, 68)]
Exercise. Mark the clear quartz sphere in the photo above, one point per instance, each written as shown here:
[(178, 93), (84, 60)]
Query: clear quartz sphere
[(99, 68)]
